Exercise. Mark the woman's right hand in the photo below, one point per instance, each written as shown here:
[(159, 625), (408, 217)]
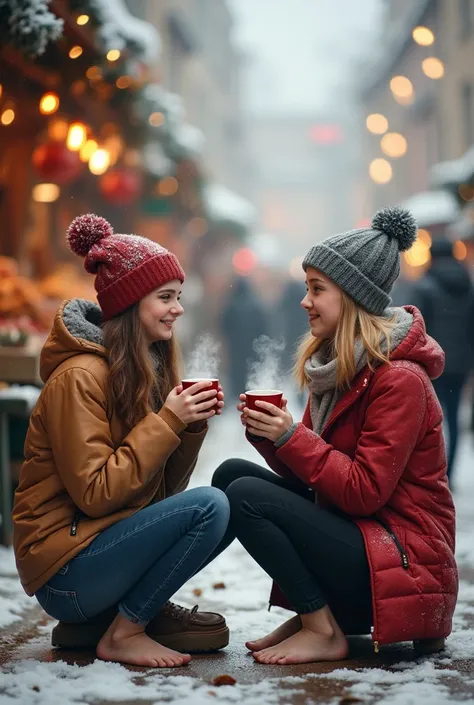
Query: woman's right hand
[(241, 406), (197, 403)]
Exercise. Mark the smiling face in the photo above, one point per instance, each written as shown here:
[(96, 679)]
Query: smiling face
[(322, 303), (159, 310)]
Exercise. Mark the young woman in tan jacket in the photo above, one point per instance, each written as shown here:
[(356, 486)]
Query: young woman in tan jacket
[(103, 534)]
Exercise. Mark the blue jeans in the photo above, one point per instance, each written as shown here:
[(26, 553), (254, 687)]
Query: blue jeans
[(139, 562)]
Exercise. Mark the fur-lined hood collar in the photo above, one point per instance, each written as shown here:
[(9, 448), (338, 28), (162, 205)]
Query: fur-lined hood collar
[(76, 330)]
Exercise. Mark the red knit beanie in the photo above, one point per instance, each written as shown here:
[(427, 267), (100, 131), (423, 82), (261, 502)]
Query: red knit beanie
[(127, 267)]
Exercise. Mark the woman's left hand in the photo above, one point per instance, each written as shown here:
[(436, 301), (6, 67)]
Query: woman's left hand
[(197, 426), (220, 401), (272, 425)]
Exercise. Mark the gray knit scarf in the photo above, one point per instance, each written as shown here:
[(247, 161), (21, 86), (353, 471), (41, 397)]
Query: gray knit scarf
[(321, 369)]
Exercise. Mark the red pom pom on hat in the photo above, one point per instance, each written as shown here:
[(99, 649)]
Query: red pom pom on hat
[(87, 230)]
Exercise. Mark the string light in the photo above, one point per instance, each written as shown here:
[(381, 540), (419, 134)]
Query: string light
[(93, 73), (113, 55), (123, 82), (87, 150), (380, 171), (402, 89), (376, 123), (76, 136), (58, 129), (423, 36), (7, 116), (49, 103), (82, 19), (433, 67), (75, 52), (459, 250), (99, 162), (425, 237), (156, 119), (418, 254), (45, 193), (393, 144)]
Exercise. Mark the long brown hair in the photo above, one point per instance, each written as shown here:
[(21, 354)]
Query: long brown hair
[(354, 322), (140, 376)]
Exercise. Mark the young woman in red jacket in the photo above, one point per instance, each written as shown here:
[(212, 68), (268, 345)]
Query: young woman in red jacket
[(356, 523)]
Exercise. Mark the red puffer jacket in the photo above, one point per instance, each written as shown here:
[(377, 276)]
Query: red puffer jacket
[(381, 459)]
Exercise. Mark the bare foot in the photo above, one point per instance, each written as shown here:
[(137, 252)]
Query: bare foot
[(288, 628), (304, 647), (126, 642)]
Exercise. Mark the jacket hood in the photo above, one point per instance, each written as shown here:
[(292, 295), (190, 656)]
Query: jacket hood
[(451, 276), (76, 330), (417, 346)]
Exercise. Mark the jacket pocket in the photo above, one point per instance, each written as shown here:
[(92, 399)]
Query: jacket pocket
[(394, 537), (62, 605)]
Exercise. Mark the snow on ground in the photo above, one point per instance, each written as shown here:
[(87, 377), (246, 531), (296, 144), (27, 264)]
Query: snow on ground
[(244, 601)]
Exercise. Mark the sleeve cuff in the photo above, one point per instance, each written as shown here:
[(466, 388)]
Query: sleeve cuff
[(286, 436), (173, 421)]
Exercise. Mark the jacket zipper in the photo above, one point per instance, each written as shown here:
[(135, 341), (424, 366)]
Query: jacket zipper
[(399, 546), (405, 565), (74, 524)]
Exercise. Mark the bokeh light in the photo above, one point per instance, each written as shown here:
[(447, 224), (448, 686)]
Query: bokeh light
[(423, 36), (380, 171), (377, 123), (393, 144)]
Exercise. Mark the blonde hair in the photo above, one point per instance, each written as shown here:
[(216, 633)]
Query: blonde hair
[(354, 322), (138, 381)]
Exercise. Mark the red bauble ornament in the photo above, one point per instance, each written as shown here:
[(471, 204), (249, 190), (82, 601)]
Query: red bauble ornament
[(55, 162), (120, 186)]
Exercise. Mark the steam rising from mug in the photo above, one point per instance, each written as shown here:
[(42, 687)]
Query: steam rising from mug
[(265, 372), (204, 360)]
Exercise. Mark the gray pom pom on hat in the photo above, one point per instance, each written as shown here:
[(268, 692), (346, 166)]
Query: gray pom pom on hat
[(366, 262)]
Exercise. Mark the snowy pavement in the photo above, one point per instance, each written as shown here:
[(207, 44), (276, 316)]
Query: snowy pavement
[(31, 673)]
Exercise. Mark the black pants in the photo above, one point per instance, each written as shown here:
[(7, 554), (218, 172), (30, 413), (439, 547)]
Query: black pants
[(449, 388), (316, 556)]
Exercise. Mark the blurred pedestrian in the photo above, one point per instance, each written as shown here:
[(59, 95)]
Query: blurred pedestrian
[(356, 523), (103, 532), (242, 322), (445, 297)]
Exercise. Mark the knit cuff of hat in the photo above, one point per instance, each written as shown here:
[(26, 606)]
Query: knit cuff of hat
[(137, 283), (348, 277)]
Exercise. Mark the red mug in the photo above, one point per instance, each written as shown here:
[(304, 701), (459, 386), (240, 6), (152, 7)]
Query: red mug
[(214, 383), (272, 396)]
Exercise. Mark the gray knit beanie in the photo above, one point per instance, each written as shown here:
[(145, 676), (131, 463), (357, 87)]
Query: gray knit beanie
[(365, 262)]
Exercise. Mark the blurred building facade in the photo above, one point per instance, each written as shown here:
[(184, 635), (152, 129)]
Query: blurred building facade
[(418, 97), (200, 62)]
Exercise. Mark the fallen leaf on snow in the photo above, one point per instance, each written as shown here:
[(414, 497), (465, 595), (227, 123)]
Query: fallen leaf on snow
[(197, 592), (218, 586), (224, 680)]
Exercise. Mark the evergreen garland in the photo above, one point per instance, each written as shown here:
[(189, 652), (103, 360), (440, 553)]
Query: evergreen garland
[(28, 25)]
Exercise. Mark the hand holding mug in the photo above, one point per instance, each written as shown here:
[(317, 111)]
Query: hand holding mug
[(196, 403), (264, 419)]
